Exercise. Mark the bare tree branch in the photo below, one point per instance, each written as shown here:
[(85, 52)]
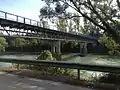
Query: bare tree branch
[(118, 3), (90, 19), (108, 16)]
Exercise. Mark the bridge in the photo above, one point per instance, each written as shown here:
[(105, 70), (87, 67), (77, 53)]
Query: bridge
[(18, 26), (22, 27)]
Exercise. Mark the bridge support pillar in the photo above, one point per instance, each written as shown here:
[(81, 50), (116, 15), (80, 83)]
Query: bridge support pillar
[(83, 48), (56, 47), (53, 47)]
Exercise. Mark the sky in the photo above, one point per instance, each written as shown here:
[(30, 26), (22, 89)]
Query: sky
[(25, 8)]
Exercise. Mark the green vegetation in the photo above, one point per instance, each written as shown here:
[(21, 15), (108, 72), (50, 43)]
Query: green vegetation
[(112, 46), (3, 44), (57, 56), (19, 42), (46, 55), (100, 19)]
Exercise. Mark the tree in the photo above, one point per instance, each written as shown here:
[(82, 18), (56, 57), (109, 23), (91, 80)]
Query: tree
[(46, 55), (112, 46), (18, 42), (62, 24), (34, 41), (3, 44), (101, 13)]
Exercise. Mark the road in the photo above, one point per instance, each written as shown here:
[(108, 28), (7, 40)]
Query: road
[(14, 82)]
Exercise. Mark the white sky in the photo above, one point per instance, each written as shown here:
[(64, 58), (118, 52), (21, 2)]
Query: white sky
[(25, 8)]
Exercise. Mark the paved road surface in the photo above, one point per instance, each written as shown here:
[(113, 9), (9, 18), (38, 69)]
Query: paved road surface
[(13, 82)]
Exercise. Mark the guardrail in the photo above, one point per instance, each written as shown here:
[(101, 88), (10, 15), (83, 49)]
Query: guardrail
[(65, 64)]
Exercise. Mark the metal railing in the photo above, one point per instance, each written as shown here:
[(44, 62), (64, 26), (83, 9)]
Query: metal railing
[(17, 18), (65, 64)]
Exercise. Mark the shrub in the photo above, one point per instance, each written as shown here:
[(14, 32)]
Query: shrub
[(110, 44), (57, 56), (46, 55)]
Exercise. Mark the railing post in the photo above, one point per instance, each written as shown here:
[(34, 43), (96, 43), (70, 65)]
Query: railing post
[(78, 74), (24, 20), (37, 23), (5, 15), (18, 66), (17, 18), (30, 21)]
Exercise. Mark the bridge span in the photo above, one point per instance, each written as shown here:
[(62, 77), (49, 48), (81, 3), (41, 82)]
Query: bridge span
[(18, 26), (21, 26)]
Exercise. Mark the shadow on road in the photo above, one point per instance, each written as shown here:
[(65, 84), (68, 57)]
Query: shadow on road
[(14, 82)]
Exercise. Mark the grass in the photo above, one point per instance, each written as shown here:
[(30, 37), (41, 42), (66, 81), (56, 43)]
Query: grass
[(93, 59), (74, 57)]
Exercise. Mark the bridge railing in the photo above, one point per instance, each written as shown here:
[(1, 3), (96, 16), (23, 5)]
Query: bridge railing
[(65, 64), (17, 18), (25, 20)]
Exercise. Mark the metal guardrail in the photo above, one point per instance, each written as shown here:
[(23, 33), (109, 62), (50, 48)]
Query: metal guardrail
[(65, 64)]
